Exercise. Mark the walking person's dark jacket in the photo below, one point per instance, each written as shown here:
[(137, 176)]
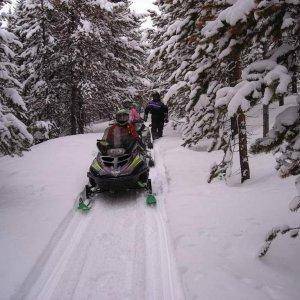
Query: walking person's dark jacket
[(159, 115)]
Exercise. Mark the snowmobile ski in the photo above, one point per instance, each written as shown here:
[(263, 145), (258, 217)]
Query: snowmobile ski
[(85, 202), (151, 199)]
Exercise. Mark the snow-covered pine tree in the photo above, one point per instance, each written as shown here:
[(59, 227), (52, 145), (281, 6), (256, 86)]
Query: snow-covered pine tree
[(130, 55), (237, 30), (31, 23), (106, 59), (284, 139), (230, 34), (206, 125), (275, 46), (77, 60), (14, 136), (173, 48)]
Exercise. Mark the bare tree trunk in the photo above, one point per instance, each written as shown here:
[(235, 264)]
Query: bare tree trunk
[(281, 101), (233, 126), (243, 150), (74, 89), (265, 120), (80, 116), (241, 124), (43, 23), (294, 81), (73, 109)]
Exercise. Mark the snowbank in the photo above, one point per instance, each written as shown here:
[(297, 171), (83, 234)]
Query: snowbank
[(37, 191)]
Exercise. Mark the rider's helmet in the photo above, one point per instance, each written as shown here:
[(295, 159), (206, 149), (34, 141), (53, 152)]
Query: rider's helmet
[(122, 117)]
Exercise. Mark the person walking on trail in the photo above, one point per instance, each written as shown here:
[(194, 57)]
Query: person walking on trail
[(159, 115), (122, 133)]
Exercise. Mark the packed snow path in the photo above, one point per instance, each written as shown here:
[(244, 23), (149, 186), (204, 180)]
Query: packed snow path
[(119, 250), (124, 249)]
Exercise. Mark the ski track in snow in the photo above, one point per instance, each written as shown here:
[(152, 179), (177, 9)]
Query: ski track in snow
[(119, 250)]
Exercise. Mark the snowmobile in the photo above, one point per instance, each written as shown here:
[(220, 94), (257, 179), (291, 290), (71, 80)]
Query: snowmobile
[(118, 169)]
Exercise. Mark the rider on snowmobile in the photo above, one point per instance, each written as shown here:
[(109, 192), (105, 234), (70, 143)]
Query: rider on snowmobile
[(122, 133)]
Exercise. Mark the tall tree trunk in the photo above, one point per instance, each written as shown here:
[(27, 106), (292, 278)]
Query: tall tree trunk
[(243, 150), (241, 124), (265, 120), (294, 80), (73, 109), (74, 89), (43, 23), (281, 101), (233, 126), (80, 116)]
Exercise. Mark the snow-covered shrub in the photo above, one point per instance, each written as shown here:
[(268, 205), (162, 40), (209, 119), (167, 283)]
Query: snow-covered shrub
[(294, 231), (284, 139), (43, 131)]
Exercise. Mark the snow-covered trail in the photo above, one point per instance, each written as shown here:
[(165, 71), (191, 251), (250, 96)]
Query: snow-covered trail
[(120, 250)]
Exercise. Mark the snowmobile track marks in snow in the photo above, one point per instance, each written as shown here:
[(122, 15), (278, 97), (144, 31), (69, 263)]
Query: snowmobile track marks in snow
[(41, 281), (119, 250)]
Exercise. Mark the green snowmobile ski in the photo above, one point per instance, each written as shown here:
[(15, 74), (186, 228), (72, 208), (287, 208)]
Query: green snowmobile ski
[(85, 201)]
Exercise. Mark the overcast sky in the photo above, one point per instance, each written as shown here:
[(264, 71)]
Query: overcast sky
[(142, 5), (139, 6)]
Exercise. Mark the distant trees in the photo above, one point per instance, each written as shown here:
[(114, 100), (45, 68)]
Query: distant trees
[(31, 22), (74, 62), (106, 59)]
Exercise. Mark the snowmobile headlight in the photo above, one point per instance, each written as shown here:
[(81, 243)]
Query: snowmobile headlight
[(116, 152)]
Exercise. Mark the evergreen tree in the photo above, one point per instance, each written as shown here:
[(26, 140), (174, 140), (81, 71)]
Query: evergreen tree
[(172, 50), (32, 25), (106, 59), (14, 137), (238, 32), (129, 53)]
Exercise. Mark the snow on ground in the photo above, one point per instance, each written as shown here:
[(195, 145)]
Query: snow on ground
[(37, 191), (217, 229), (120, 250), (200, 242)]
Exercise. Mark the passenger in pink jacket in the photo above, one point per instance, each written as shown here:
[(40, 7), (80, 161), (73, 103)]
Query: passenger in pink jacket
[(134, 115)]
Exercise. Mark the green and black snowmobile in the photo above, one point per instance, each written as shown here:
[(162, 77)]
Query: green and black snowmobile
[(118, 169)]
